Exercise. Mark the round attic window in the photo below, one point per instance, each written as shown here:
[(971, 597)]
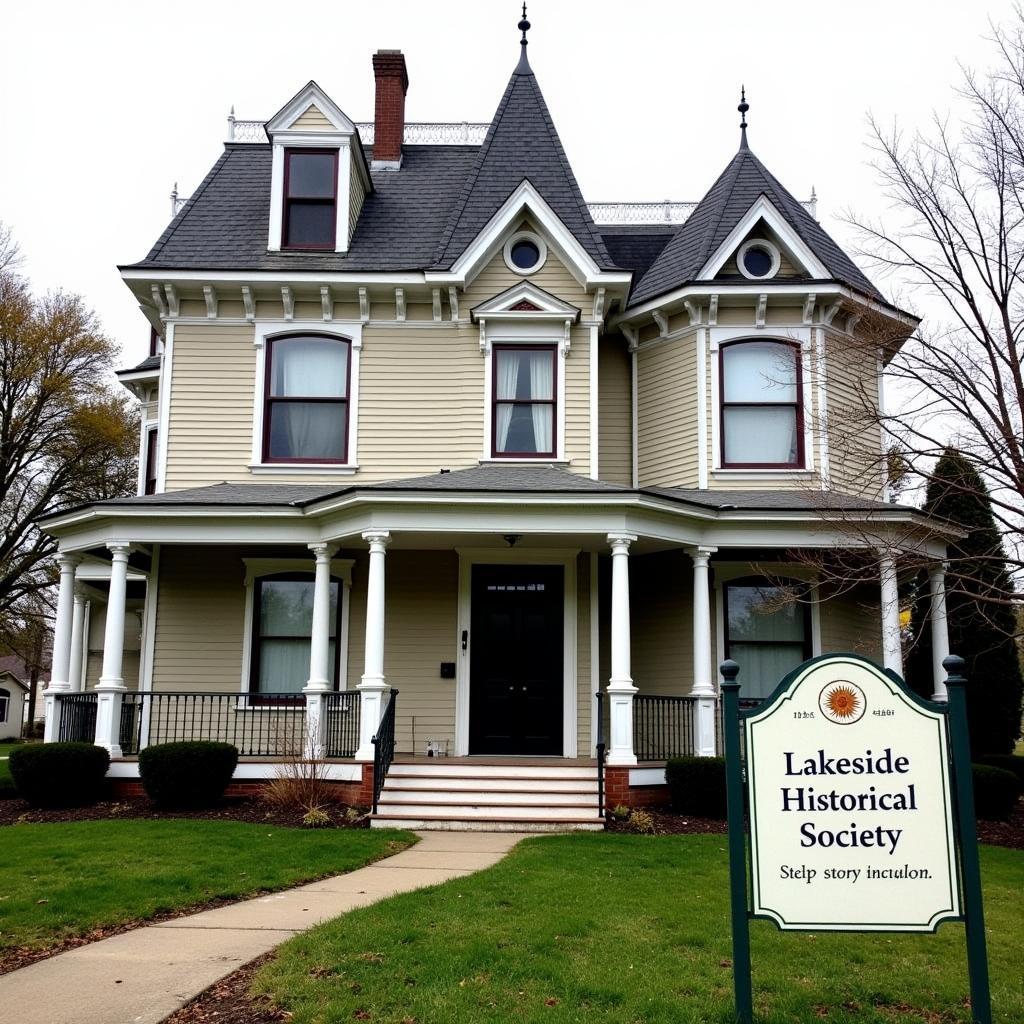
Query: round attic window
[(758, 259), (525, 252)]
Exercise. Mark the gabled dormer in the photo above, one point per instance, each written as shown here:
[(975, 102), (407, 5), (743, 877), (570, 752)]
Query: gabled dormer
[(319, 176)]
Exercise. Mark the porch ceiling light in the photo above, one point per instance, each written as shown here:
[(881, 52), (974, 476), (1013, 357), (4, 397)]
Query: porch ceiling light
[(512, 539)]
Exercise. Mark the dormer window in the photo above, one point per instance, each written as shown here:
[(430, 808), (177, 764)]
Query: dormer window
[(310, 198), (524, 401)]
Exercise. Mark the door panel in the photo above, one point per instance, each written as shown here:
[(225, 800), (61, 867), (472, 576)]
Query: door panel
[(517, 659)]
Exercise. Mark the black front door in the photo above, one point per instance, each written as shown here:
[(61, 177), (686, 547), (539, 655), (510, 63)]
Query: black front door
[(516, 664)]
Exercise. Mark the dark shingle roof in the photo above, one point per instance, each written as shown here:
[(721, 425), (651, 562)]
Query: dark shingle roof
[(778, 501), (636, 246), (736, 190), (521, 143), (223, 226), (149, 363)]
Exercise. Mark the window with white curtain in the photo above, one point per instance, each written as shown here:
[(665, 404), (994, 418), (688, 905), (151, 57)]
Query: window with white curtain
[(524, 401), (307, 398), (767, 630), (5, 704), (761, 405), (282, 626)]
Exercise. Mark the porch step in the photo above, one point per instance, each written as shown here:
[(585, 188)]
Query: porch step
[(454, 795)]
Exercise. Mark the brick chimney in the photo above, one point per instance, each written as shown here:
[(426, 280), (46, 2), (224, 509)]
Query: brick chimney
[(389, 109)]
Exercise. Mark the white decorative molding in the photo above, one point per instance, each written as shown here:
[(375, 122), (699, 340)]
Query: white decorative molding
[(667, 212), (759, 243), (453, 301), (852, 320), (662, 321), (632, 336), (713, 310), (598, 311), (158, 300), (809, 304), (693, 311), (829, 313), (484, 347), (435, 295), (173, 306), (327, 302), (288, 302), (400, 304), (364, 305), (210, 294), (249, 302), (566, 338), (762, 310)]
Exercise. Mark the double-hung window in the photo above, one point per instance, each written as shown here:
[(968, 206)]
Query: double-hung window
[(307, 399), (5, 705), (310, 198), (149, 481), (767, 630), (282, 626), (524, 388), (762, 419)]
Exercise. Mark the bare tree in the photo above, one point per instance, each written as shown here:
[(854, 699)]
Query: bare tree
[(66, 434)]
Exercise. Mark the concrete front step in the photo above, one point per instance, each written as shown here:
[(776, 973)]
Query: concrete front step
[(496, 797), (452, 784), (459, 769), (460, 809), (443, 823)]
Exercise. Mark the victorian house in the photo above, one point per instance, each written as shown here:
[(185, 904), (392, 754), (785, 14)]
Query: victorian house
[(441, 463)]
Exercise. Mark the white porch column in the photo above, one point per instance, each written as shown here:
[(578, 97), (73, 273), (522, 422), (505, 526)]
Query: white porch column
[(76, 675), (373, 685), (703, 667), (319, 652), (110, 688), (892, 652), (59, 673), (940, 629), (620, 686)]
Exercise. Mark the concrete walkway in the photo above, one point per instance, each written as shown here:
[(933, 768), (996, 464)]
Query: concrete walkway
[(142, 976)]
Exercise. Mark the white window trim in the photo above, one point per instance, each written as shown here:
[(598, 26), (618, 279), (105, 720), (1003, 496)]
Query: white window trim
[(5, 705), (801, 336), (266, 330), (468, 557), (520, 333), (257, 568), (726, 572), (769, 247), (525, 236), (147, 427)]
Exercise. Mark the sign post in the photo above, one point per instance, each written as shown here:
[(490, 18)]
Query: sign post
[(861, 811)]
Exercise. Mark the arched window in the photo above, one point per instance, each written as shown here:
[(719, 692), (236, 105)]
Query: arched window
[(307, 399), (5, 704), (761, 405), (767, 630), (282, 626)]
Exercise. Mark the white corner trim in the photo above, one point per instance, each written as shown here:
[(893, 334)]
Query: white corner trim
[(595, 650), (342, 198), (164, 407), (595, 405), (634, 415), (702, 409), (276, 222)]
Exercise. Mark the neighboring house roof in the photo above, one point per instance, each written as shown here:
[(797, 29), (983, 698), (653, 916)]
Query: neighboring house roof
[(149, 363), (10, 677), (738, 187), (521, 143), (13, 666), (223, 226)]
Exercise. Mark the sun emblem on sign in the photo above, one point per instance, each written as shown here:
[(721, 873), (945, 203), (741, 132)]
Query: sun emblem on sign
[(842, 702)]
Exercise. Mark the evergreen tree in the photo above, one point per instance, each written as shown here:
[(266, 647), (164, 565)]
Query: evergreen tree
[(982, 623)]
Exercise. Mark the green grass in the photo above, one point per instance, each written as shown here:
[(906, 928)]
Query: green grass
[(627, 929), (60, 880)]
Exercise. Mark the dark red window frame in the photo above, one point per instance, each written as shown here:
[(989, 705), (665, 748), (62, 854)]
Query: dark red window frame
[(763, 581), (254, 641), (288, 202), (798, 405), (154, 342), (553, 401), (149, 480), (269, 398)]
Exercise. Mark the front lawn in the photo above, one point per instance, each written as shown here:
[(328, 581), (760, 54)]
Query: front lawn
[(631, 930), (65, 880)]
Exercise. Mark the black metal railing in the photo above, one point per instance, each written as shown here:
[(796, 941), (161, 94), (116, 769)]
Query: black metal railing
[(258, 724), (384, 748), (341, 723), (130, 732), (76, 717), (745, 704), (599, 746), (663, 727)]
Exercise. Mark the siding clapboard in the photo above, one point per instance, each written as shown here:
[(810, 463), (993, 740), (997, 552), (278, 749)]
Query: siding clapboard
[(667, 413), (615, 414)]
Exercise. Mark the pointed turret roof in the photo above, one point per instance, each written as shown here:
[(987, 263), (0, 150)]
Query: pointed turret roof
[(728, 200), (521, 143)]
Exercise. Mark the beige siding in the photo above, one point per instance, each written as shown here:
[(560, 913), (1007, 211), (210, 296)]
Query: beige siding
[(667, 413), (553, 277), (661, 602), (212, 393), (312, 120), (851, 622), (577, 402), (615, 416), (131, 655)]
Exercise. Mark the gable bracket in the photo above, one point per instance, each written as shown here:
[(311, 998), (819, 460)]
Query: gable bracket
[(436, 298), (158, 300), (852, 320), (632, 336), (567, 338), (400, 304), (809, 304), (248, 302), (662, 321), (693, 310), (762, 309), (453, 301), (327, 302), (599, 304), (173, 305), (484, 347), (364, 305), (210, 294), (713, 310), (288, 301), (829, 313)]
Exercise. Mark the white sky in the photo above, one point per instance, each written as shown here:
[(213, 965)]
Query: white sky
[(103, 105)]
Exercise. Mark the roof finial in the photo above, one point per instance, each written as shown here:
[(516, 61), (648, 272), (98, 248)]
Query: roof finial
[(524, 27), (743, 108)]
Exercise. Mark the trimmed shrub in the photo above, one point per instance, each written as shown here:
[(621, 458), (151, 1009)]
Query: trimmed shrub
[(641, 822), (1008, 762), (60, 774), (995, 792), (8, 791), (697, 786), (193, 774)]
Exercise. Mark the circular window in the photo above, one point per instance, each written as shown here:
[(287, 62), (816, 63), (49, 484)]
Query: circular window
[(758, 258), (525, 252)]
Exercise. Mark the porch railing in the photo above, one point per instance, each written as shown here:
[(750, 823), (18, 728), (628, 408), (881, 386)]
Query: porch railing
[(663, 727), (384, 748), (76, 717), (341, 726), (132, 706), (259, 725), (599, 748)]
